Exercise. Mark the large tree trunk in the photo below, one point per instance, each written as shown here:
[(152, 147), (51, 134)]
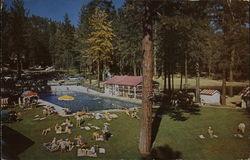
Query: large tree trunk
[(186, 74), (19, 70), (165, 77), (181, 79), (197, 83), (172, 78), (134, 66), (231, 73), (169, 78), (146, 118), (98, 73), (209, 67), (223, 96)]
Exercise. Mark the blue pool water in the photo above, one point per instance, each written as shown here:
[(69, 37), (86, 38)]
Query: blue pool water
[(86, 102)]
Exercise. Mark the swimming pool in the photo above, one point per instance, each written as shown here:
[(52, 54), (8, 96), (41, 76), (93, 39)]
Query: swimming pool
[(84, 101)]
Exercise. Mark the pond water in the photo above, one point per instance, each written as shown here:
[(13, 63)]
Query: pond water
[(85, 101)]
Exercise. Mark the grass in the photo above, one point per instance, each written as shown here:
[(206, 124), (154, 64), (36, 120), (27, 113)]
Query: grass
[(180, 136), (204, 82)]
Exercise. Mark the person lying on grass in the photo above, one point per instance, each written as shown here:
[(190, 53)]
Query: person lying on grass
[(241, 128), (78, 140), (58, 128), (132, 114), (69, 145), (107, 116), (46, 131), (88, 151), (79, 116), (67, 123), (210, 131), (67, 129), (52, 146)]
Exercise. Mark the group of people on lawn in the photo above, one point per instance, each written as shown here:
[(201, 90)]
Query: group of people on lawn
[(65, 145), (241, 131), (48, 110)]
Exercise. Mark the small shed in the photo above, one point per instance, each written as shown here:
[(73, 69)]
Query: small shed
[(245, 97), (210, 96), (126, 86)]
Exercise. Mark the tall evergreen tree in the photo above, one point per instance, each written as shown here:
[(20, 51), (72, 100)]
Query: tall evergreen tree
[(100, 40), (17, 31)]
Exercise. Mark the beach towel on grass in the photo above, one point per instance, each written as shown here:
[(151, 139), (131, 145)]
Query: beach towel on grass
[(48, 147), (86, 128), (201, 136), (102, 150), (113, 116), (80, 153)]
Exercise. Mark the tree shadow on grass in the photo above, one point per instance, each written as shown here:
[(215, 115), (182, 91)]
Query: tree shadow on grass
[(173, 110), (163, 153), (13, 143)]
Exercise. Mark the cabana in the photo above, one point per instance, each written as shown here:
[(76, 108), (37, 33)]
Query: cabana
[(210, 96), (126, 86), (245, 97)]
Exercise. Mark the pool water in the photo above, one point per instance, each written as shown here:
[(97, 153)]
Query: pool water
[(85, 102)]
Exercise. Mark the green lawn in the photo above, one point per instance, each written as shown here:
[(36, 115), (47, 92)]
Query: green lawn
[(181, 136)]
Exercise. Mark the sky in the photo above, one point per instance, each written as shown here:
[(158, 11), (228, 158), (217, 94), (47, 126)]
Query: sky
[(55, 9)]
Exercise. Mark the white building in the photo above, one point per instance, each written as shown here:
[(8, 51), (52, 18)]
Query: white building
[(126, 86), (210, 96)]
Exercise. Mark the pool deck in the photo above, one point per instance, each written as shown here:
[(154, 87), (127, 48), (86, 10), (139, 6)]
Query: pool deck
[(58, 109)]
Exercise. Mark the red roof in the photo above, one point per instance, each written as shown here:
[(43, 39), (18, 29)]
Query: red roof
[(209, 91), (125, 80)]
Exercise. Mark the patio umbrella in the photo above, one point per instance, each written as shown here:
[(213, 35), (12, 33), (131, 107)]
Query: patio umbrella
[(31, 94), (25, 93), (66, 98)]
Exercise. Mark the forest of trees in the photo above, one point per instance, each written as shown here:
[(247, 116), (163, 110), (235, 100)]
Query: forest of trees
[(213, 34), (151, 38)]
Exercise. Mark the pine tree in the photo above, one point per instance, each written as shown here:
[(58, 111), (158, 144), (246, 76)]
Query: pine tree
[(18, 31), (100, 39)]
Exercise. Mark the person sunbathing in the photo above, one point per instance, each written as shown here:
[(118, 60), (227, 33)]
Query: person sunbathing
[(107, 116), (67, 121), (46, 131), (78, 140), (84, 146), (96, 135), (62, 145), (91, 151), (45, 113), (127, 112), (105, 128), (241, 128), (100, 138), (53, 141), (67, 129), (69, 145), (210, 132), (78, 120), (58, 128), (134, 115)]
